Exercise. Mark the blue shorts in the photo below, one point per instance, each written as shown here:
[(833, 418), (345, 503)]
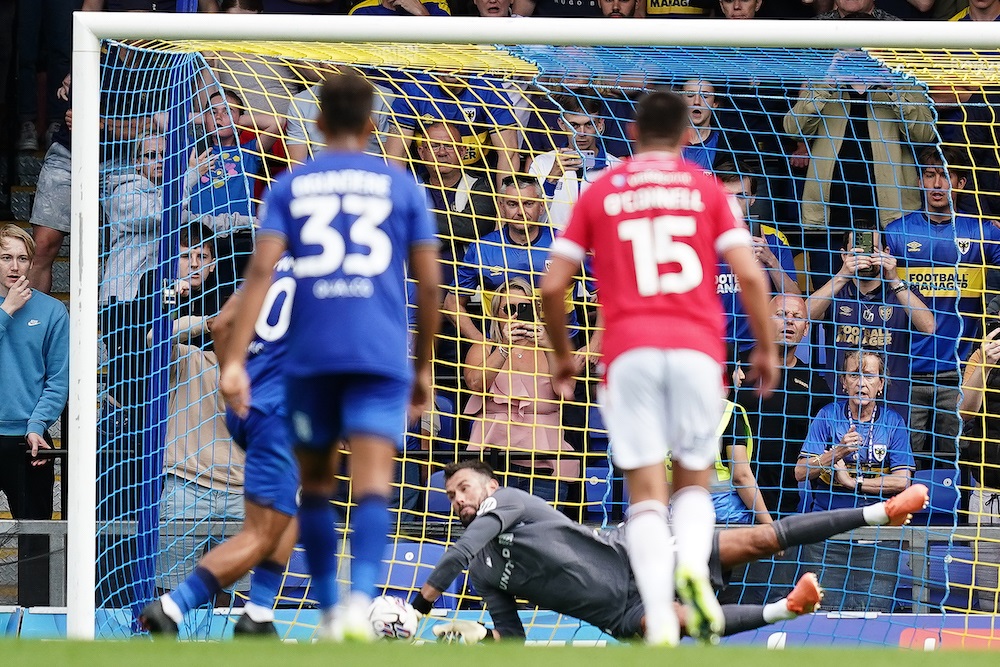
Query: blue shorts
[(271, 473), (328, 408)]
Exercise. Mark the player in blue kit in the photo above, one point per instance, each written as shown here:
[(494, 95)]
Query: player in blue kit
[(271, 477), (354, 226)]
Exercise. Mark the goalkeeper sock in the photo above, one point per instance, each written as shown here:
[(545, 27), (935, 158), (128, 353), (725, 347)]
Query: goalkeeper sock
[(743, 617), (369, 535), (813, 527), (647, 539), (693, 518), (264, 585), (200, 587), (318, 536)]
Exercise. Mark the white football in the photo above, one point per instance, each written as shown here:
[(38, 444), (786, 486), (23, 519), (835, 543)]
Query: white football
[(393, 618)]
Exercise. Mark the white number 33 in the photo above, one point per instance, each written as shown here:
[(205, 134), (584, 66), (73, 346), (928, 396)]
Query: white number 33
[(364, 231)]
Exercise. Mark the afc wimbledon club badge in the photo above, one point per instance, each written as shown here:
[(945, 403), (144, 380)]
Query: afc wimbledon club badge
[(879, 452), (885, 312), (963, 245)]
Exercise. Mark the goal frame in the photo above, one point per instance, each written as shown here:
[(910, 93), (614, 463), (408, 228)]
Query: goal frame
[(89, 28)]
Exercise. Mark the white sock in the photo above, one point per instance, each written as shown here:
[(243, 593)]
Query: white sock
[(171, 609), (258, 613), (693, 518), (647, 539), (875, 514), (778, 611)]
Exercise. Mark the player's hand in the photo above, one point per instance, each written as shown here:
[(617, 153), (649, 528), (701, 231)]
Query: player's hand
[(17, 296), (37, 442), (420, 395), (467, 632), (234, 383), (764, 371), (562, 375)]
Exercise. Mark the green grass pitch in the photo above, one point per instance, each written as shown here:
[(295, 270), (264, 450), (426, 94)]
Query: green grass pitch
[(144, 653)]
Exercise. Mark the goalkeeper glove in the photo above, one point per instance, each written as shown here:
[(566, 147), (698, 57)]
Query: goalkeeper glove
[(468, 632)]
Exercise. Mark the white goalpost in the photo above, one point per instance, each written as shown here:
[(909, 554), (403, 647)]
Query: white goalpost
[(90, 28)]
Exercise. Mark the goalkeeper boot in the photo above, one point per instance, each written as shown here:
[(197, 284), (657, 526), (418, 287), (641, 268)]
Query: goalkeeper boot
[(154, 620), (901, 506), (806, 596), (705, 621), (247, 627)]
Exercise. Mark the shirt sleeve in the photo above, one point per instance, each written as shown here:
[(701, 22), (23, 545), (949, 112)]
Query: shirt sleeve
[(818, 437), (467, 276), (576, 239), (457, 558), (55, 389), (273, 213)]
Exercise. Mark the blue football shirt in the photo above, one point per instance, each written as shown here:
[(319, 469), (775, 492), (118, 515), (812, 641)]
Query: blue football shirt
[(266, 354), (349, 221)]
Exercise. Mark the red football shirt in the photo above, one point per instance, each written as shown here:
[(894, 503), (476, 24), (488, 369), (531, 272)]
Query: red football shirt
[(656, 226)]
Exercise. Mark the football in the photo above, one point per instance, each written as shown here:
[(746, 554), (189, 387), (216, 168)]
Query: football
[(393, 618)]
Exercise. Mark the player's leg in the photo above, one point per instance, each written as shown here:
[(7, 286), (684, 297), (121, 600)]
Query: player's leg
[(632, 406), (265, 583), (316, 414), (374, 420), (742, 545), (694, 410), (805, 598)]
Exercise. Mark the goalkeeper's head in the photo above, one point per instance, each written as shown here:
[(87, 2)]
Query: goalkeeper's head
[(346, 107), (468, 484), (661, 122)]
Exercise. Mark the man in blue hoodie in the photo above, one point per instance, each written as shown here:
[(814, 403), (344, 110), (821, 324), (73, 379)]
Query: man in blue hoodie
[(34, 353)]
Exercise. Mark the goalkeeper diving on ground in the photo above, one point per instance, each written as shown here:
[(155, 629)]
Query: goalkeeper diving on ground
[(516, 546)]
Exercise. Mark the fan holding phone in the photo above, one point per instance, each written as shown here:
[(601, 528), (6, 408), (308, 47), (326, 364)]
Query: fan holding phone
[(517, 409)]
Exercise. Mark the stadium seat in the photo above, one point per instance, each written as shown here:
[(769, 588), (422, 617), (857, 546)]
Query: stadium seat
[(943, 488), (438, 505), (596, 488), (10, 621), (296, 582), (406, 566), (949, 575), (596, 431)]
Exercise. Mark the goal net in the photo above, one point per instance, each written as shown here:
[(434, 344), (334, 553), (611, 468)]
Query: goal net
[(875, 170)]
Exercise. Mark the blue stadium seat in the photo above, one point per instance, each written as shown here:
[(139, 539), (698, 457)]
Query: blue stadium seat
[(406, 566), (438, 505), (10, 621), (949, 575), (596, 431), (296, 581), (942, 486), (596, 486)]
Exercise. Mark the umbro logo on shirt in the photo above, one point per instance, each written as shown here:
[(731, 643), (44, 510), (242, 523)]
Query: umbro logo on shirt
[(913, 246), (34, 323)]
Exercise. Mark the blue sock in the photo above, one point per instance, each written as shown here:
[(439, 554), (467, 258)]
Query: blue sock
[(369, 535), (318, 536), (265, 583), (200, 587)]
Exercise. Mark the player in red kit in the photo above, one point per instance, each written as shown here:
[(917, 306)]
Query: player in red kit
[(657, 227)]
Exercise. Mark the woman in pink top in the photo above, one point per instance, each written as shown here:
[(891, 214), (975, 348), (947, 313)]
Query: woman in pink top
[(518, 410)]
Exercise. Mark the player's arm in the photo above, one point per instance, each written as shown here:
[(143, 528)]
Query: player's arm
[(557, 279), (233, 380), (754, 294), (503, 611), (222, 327), (424, 268), (479, 533)]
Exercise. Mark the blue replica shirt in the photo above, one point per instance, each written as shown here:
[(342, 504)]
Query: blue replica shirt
[(266, 354), (494, 259), (703, 154), (349, 221), (476, 109), (885, 448), (728, 288), (225, 188), (376, 8), (34, 356), (947, 263), (878, 322)]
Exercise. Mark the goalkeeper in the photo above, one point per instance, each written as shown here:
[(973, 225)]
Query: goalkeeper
[(517, 546)]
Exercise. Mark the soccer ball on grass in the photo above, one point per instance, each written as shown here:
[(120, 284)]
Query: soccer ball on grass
[(393, 618)]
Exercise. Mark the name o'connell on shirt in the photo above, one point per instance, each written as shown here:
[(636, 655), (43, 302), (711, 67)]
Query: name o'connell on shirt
[(654, 198)]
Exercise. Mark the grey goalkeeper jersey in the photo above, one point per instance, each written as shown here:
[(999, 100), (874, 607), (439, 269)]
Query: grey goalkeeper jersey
[(520, 547)]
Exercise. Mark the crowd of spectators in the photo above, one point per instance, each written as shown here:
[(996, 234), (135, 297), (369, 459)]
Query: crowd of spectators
[(869, 204)]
